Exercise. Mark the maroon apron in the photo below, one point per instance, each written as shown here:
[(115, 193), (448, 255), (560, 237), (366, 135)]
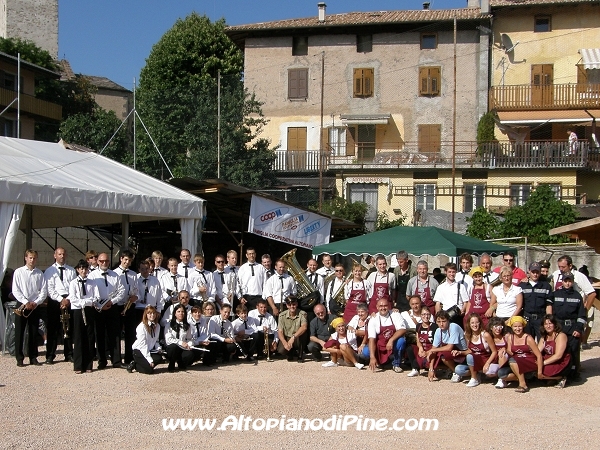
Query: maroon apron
[(554, 369), (524, 357), (480, 353), (480, 305), (426, 340), (356, 296), (385, 333), (425, 294), (380, 290), (559, 283)]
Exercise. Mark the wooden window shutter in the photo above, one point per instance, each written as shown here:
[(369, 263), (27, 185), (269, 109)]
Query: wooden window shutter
[(423, 81), (292, 138), (434, 76), (435, 138), (301, 133), (582, 78), (368, 79), (292, 84), (325, 138), (358, 82), (350, 141), (302, 83)]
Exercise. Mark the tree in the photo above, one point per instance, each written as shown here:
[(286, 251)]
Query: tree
[(541, 212), (177, 100), (384, 222), (94, 131), (483, 224), (353, 212), (485, 129)]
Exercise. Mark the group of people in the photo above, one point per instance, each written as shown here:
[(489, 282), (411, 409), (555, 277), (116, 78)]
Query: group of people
[(480, 322)]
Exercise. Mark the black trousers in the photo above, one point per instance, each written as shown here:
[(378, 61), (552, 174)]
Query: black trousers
[(132, 319), (533, 325), (183, 358), (142, 365), (209, 357), (31, 323), (251, 301), (297, 346), (83, 338), (54, 329), (108, 334), (259, 342)]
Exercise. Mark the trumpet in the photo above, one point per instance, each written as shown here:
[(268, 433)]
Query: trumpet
[(64, 318), (231, 287), (267, 349), (132, 291), (100, 303), (24, 312), (202, 284)]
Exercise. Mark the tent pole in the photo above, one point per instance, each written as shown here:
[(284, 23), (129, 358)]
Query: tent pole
[(28, 216), (125, 231)]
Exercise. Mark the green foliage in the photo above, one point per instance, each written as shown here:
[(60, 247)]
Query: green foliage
[(94, 131), (177, 99), (483, 225), (29, 52), (354, 212), (541, 212), (485, 130), (384, 222)]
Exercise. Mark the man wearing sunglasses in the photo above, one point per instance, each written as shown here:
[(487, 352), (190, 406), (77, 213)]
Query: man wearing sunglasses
[(518, 275)]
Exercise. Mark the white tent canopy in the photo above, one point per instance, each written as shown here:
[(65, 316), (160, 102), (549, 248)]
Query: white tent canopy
[(66, 185)]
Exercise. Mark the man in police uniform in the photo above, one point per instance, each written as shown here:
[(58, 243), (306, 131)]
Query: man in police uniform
[(537, 300)]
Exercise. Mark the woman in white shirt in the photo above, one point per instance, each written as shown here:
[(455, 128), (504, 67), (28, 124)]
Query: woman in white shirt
[(146, 349), (342, 344), (507, 299), (178, 336)]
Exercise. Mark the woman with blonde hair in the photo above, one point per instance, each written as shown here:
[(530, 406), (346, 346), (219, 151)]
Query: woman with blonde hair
[(356, 291), (507, 299), (146, 349)]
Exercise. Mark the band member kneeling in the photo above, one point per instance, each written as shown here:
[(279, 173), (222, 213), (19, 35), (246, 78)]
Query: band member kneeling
[(292, 328), (178, 336), (146, 349)]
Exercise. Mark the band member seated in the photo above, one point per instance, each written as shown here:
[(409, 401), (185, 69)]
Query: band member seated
[(178, 336), (221, 332), (320, 331), (386, 338), (449, 336), (417, 352), (29, 289), (243, 329), (146, 349), (82, 294), (200, 334), (291, 328), (183, 298), (265, 323), (358, 325), (342, 344)]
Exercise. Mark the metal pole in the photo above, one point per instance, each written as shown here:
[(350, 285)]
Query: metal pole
[(134, 148), (321, 143), (219, 123), (454, 131), (19, 96)]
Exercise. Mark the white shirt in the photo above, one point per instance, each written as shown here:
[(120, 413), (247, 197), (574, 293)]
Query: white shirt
[(447, 295), (166, 318), (580, 283), (380, 278), (177, 337), (167, 283), (181, 269), (29, 285), (76, 296), (250, 326), (146, 341), (129, 282), (158, 272), (317, 281), (200, 330), (199, 279), (362, 285), (267, 321), (109, 287), (350, 339), (379, 321), (325, 272), (56, 287), (273, 288), (149, 293), (218, 333), (252, 277), (507, 302)]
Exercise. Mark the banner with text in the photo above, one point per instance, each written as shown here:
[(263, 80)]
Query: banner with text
[(288, 224)]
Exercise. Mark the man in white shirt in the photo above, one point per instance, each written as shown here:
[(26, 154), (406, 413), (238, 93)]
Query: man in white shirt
[(382, 284), (58, 277), (334, 287), (172, 283), (489, 276), (264, 322), (327, 268), (202, 283), (185, 267), (386, 338), (451, 293), (278, 288), (159, 270), (127, 319), (462, 275), (266, 262), (423, 285), (251, 277), (30, 290), (315, 278)]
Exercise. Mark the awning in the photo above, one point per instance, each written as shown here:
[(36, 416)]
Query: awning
[(365, 119), (590, 58), (532, 117)]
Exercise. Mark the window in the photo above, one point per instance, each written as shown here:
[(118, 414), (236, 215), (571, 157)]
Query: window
[(364, 80), (299, 46), (363, 140), (430, 138), (430, 81), (428, 40), (542, 24), (424, 196), (296, 146), (298, 84), (519, 193), (365, 192), (8, 128), (337, 141), (364, 43), (474, 197)]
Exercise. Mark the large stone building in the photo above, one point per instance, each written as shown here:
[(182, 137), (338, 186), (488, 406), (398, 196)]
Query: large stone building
[(32, 20), (375, 94)]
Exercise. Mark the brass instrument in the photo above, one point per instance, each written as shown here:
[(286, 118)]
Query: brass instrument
[(231, 287), (308, 294), (24, 312), (131, 291), (64, 318), (338, 297), (201, 284), (267, 349)]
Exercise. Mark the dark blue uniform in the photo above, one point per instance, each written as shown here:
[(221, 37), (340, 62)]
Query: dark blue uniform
[(569, 309), (535, 300)]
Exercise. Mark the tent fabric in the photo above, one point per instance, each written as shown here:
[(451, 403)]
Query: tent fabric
[(10, 216), (414, 240), (47, 174)]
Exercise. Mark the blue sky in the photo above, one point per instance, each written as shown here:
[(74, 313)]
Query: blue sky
[(113, 38)]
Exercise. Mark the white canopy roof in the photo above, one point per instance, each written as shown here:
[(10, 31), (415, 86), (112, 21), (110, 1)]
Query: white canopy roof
[(69, 187)]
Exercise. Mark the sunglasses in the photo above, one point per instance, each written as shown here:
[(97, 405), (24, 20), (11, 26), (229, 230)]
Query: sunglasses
[(337, 270), (509, 260), (103, 260), (219, 262)]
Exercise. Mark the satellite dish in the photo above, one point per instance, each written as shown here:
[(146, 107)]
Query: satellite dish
[(507, 44)]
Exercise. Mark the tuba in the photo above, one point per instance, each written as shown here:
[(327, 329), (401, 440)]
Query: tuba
[(308, 295)]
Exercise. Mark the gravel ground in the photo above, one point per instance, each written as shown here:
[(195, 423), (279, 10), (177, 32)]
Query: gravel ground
[(50, 406)]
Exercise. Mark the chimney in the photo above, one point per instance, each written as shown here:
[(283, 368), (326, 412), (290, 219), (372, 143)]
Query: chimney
[(485, 6), (322, 7), (425, 6)]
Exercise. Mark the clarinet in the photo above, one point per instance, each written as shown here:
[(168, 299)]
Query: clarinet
[(230, 336)]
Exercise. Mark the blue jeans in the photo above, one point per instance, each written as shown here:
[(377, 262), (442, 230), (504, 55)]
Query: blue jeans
[(463, 369), (397, 351)]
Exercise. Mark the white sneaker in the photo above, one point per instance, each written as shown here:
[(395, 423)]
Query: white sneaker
[(359, 366), (500, 384), (413, 373), (455, 378), (398, 369), (473, 382), (329, 364)]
